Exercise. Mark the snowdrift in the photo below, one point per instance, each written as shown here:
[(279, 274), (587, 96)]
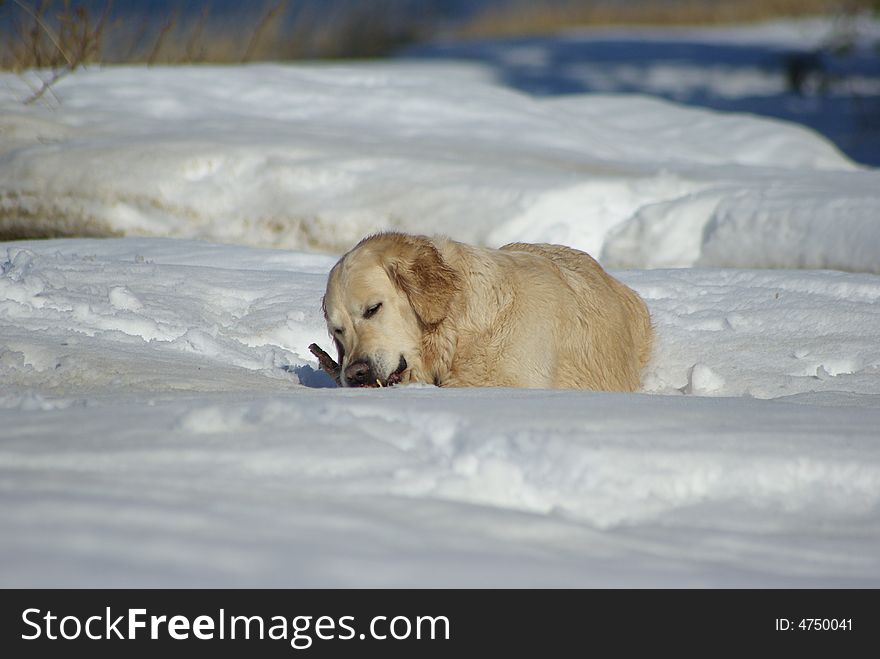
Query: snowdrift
[(164, 425), (314, 157)]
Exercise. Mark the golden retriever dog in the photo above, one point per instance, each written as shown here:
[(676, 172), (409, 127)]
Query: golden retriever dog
[(404, 308)]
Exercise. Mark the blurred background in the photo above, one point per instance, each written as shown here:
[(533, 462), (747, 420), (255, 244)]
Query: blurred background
[(830, 79)]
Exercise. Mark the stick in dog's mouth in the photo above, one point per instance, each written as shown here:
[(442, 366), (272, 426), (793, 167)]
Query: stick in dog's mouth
[(334, 370), (327, 363)]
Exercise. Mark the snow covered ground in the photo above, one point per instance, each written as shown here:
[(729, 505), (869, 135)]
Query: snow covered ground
[(314, 157), (162, 422)]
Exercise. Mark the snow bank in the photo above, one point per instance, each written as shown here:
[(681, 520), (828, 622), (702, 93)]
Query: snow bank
[(314, 157), (164, 424), (415, 487), (68, 306)]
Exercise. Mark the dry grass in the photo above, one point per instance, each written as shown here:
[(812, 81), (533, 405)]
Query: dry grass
[(51, 33), (530, 18), (58, 42), (59, 36), (67, 37)]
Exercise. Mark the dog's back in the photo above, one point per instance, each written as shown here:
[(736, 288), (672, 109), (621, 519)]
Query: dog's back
[(604, 337)]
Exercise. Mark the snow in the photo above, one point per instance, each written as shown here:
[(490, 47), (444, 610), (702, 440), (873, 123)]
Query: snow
[(316, 156), (819, 72), (162, 422)]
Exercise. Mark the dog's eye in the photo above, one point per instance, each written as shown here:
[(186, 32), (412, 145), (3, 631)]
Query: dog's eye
[(338, 330), (369, 313)]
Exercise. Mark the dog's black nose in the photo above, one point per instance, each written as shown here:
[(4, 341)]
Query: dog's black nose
[(358, 374)]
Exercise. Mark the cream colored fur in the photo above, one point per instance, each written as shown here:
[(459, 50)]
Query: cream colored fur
[(525, 315)]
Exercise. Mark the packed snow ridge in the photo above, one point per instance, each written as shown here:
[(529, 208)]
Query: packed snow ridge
[(316, 156)]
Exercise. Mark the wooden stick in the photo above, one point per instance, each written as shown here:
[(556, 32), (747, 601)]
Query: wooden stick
[(326, 362)]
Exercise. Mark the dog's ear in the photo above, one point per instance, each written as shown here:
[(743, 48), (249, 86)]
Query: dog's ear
[(428, 281)]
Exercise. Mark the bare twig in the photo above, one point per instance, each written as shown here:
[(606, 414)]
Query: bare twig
[(136, 41), (268, 18), (46, 85), (47, 29), (194, 41), (78, 41), (160, 40)]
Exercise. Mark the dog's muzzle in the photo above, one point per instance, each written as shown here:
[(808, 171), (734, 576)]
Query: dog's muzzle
[(362, 374)]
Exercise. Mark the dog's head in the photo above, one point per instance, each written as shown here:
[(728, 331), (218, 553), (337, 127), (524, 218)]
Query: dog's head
[(381, 298)]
